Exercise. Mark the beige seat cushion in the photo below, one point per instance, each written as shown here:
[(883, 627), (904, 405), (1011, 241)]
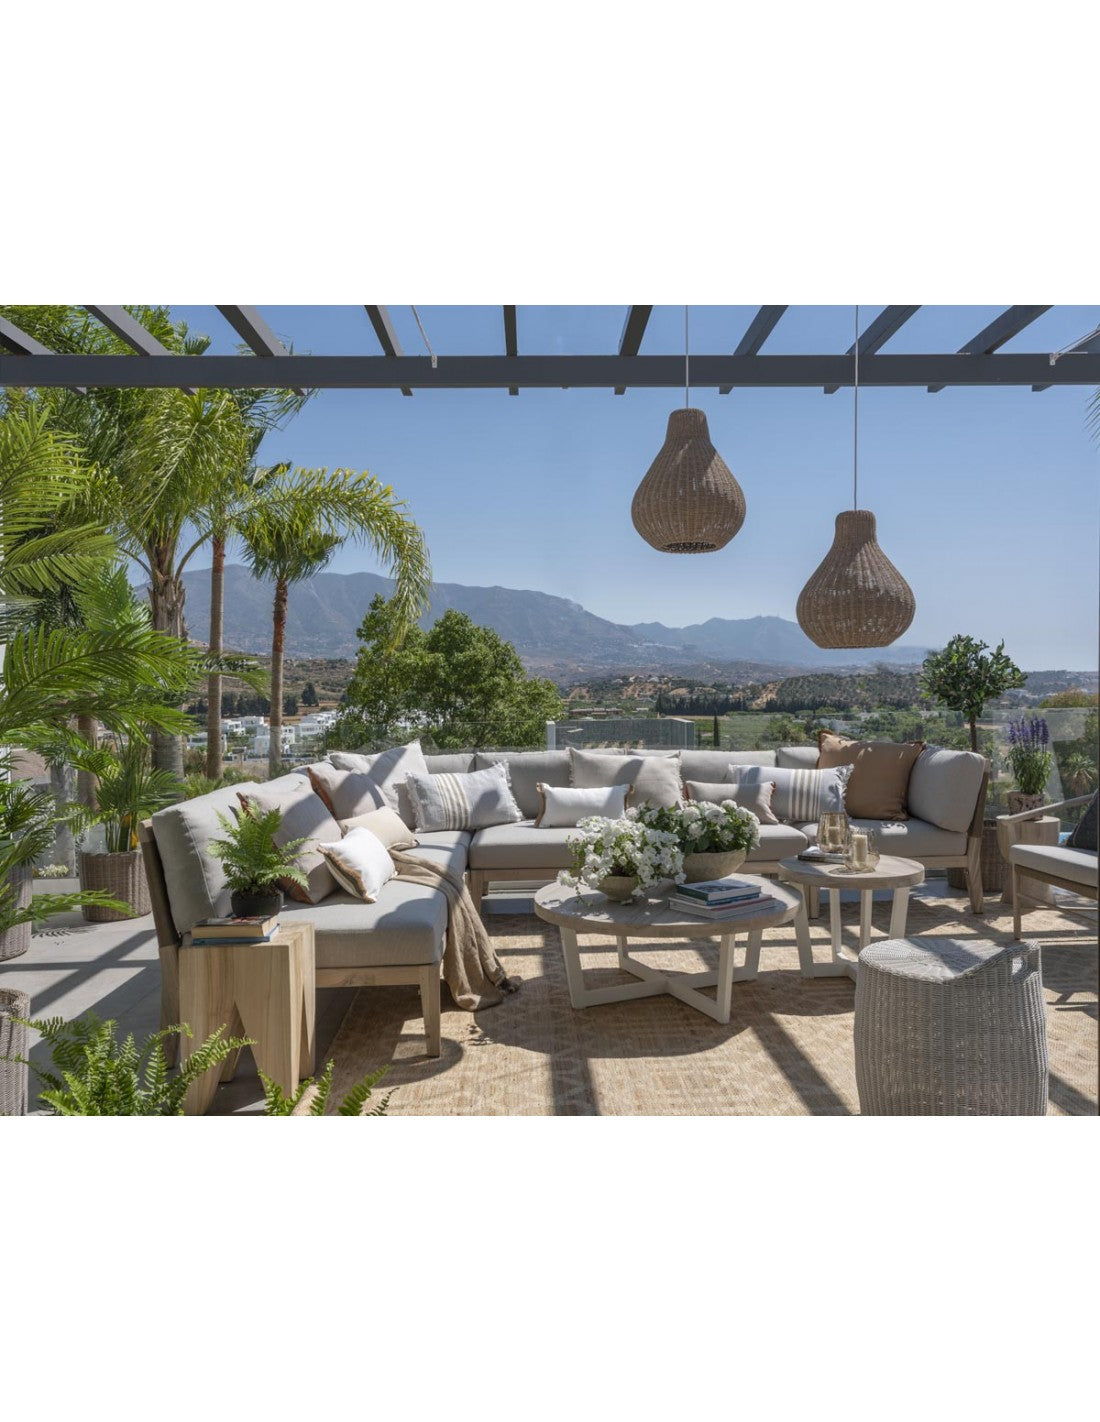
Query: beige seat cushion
[(909, 839), (777, 842), (406, 927), (1079, 865), (879, 784), (521, 846), (450, 849)]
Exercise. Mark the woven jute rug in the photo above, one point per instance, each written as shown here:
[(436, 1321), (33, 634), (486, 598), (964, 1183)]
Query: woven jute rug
[(786, 1051)]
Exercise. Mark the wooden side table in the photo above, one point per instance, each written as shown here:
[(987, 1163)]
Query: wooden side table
[(891, 872), (259, 990), (1043, 830)]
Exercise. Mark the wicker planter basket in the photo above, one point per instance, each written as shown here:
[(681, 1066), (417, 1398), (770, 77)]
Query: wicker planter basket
[(994, 868), (698, 867), (13, 1043), (123, 876), (15, 941)]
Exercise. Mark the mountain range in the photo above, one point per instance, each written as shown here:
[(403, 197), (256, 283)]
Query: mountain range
[(551, 634)]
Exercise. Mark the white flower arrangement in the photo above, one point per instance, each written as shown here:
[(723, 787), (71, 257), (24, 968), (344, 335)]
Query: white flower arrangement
[(700, 827), (626, 848)]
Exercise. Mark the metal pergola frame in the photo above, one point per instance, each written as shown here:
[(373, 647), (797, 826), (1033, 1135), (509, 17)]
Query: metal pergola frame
[(30, 364)]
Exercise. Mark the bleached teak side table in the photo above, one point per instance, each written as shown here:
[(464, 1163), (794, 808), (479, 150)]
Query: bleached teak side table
[(588, 911), (891, 872), (259, 990)]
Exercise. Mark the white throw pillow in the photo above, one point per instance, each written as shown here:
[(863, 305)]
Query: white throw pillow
[(360, 863), (472, 801), (563, 806)]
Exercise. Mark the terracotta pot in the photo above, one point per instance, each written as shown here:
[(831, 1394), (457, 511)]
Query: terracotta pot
[(698, 867), (619, 887), (123, 877), (261, 903), (14, 942)]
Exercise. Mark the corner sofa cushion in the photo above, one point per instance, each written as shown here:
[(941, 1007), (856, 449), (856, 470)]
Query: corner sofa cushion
[(388, 772), (563, 806), (909, 839), (879, 784), (755, 796), (655, 778), (521, 846), (406, 927), (944, 786), (801, 794), (463, 802), (710, 765), (796, 757), (449, 849), (527, 769), (359, 862), (305, 816), (195, 880)]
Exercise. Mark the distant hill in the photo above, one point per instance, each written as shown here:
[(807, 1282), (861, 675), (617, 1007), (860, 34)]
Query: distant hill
[(550, 633)]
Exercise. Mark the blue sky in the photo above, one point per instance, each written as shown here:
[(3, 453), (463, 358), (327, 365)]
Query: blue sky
[(986, 499)]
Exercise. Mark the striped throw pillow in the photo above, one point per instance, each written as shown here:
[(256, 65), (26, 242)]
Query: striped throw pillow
[(471, 801), (800, 795)]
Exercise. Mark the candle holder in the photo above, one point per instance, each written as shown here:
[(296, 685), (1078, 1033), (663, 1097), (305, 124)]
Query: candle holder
[(833, 833), (861, 851)]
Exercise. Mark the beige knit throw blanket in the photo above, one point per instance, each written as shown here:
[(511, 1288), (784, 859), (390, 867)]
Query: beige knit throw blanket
[(470, 967)]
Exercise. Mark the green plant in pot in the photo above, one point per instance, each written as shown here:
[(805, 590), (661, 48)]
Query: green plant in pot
[(128, 791), (255, 866), (1030, 760)]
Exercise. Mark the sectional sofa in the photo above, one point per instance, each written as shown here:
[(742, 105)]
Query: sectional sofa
[(400, 939)]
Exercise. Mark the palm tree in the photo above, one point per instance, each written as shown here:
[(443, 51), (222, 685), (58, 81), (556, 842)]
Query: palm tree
[(297, 524)]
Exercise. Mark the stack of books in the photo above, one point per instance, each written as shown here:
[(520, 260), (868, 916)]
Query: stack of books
[(721, 899), (210, 931)]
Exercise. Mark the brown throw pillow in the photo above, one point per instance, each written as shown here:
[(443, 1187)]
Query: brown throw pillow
[(879, 784), (756, 797)]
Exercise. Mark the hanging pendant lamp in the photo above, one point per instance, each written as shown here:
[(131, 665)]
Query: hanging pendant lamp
[(688, 502), (855, 597)]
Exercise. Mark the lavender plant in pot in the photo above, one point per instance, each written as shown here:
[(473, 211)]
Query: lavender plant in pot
[(255, 866), (1030, 760)]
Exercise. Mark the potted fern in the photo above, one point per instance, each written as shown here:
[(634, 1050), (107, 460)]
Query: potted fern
[(255, 866)]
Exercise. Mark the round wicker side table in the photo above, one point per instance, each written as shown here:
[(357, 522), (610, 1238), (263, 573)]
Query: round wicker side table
[(13, 1043), (950, 1028)]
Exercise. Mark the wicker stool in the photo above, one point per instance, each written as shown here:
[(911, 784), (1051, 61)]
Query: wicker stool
[(950, 1028), (13, 1043)]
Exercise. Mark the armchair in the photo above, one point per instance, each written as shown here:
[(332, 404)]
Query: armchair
[(1054, 864)]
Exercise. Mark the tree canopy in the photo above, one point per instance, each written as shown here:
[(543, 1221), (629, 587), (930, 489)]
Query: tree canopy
[(964, 678)]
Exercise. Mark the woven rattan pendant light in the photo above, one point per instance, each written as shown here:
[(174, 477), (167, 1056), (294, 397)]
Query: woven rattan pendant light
[(855, 597), (688, 502)]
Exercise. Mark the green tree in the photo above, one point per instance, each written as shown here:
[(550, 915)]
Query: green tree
[(309, 694), (964, 678)]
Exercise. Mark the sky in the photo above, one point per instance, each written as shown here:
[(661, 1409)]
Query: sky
[(986, 499)]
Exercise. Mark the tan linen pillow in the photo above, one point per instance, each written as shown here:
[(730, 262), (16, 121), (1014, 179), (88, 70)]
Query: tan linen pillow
[(385, 824), (755, 797), (655, 778), (879, 784)]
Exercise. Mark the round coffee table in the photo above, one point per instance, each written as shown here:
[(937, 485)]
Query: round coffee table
[(588, 911), (890, 872)]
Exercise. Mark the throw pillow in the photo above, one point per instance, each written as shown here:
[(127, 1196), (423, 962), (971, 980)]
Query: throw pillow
[(879, 785), (360, 864), (799, 795), (463, 802), (756, 797), (655, 778), (386, 824), (1084, 831), (388, 772), (562, 807), (305, 816), (347, 793)]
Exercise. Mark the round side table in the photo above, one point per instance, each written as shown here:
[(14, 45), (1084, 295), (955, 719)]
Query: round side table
[(891, 872)]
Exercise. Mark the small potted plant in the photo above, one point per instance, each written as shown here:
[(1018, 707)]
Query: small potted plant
[(1030, 760), (255, 866), (128, 791), (715, 839), (621, 857)]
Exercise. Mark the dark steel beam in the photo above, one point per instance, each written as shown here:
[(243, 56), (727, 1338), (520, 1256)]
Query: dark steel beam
[(543, 371), (1008, 324), (887, 323), (387, 336), (511, 340), (760, 328), (13, 339), (1087, 345), (126, 328), (630, 342), (255, 332)]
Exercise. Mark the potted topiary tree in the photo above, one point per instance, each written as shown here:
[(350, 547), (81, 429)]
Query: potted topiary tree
[(255, 866)]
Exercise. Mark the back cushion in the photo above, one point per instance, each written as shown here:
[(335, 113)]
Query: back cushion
[(451, 763), (879, 784), (710, 765), (194, 879), (944, 786), (656, 778), (304, 816), (389, 771), (527, 769), (797, 757)]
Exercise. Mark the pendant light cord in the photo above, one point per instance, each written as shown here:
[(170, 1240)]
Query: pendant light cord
[(687, 368), (855, 422)]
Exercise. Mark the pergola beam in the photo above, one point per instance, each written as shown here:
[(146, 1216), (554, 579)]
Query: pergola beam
[(511, 340), (13, 339), (543, 371), (387, 337), (118, 320), (887, 323), (760, 328), (1008, 324), (630, 342), (1087, 345), (256, 333)]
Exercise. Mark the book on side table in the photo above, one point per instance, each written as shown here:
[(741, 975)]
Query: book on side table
[(235, 930), (759, 903)]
